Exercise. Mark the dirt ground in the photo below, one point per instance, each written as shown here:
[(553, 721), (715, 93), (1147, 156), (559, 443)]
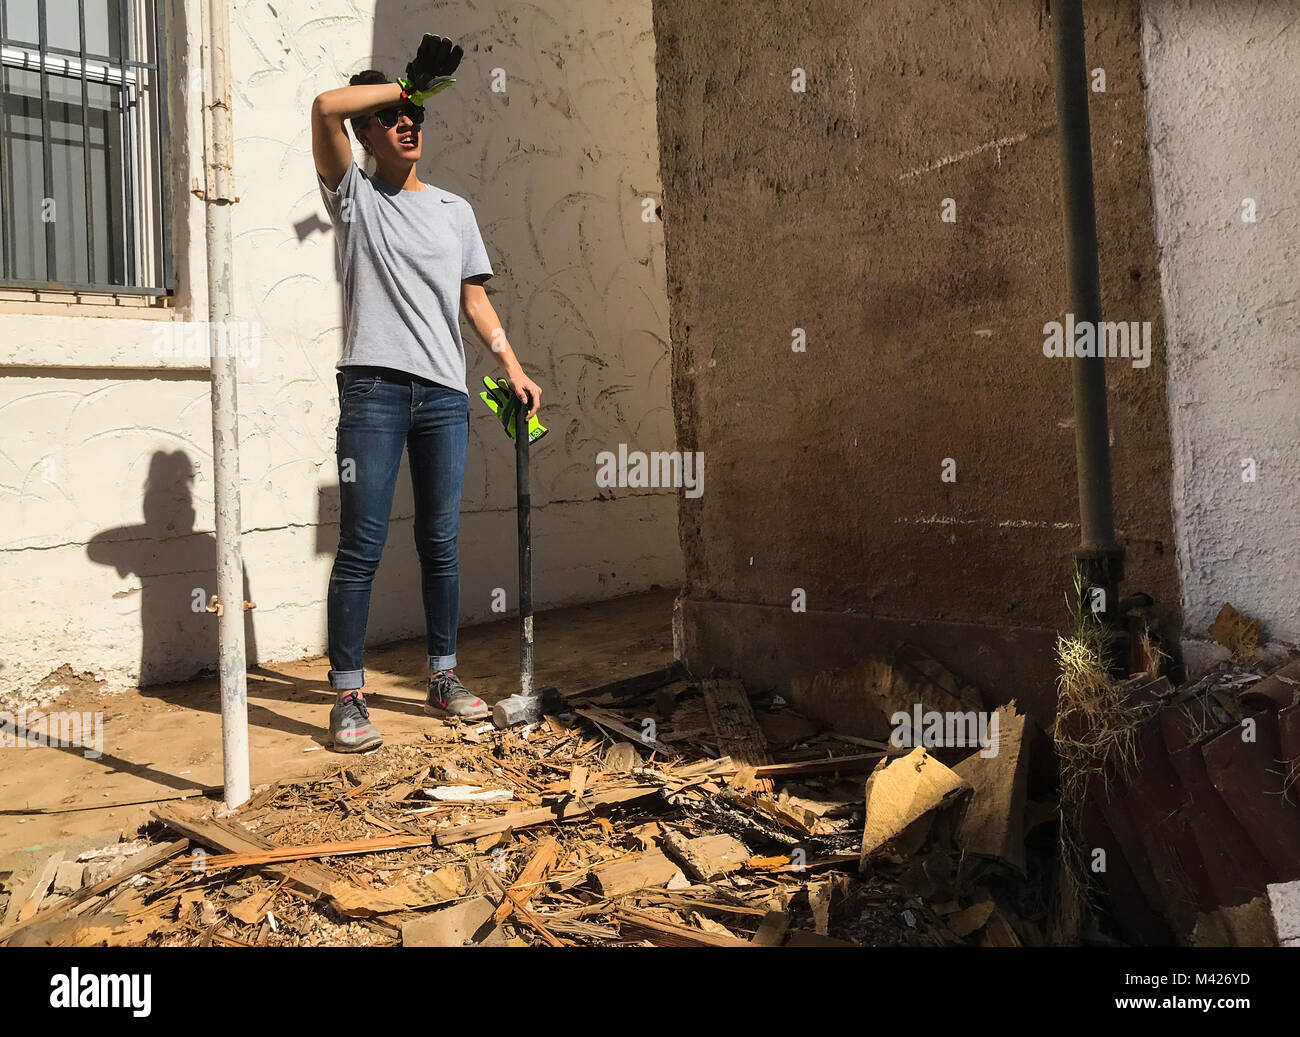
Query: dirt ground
[(163, 740)]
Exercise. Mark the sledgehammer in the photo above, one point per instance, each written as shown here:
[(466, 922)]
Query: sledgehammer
[(527, 705)]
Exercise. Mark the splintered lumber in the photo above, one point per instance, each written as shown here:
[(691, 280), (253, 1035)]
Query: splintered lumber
[(564, 811), (649, 870), (307, 851), (739, 735), (856, 762), (708, 857), (994, 823), (25, 902), (229, 837), (638, 736), (902, 791), (666, 933), (524, 915), (142, 861), (577, 780), (522, 889)]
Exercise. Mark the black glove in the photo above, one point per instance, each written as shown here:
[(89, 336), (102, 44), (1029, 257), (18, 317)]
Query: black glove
[(430, 70)]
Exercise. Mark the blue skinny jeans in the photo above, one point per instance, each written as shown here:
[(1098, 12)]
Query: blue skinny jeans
[(382, 411)]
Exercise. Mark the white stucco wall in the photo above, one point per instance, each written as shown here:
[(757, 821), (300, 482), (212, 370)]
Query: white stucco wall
[(98, 562), (1222, 82)]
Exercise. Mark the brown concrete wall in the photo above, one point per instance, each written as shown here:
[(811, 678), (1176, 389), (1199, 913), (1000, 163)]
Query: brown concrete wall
[(821, 211)]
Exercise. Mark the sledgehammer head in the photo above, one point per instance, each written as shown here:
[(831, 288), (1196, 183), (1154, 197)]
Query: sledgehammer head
[(526, 709)]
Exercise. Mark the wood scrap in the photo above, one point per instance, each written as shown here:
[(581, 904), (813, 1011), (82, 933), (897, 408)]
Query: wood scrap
[(26, 901), (525, 886), (285, 854), (137, 864), (230, 837), (542, 815), (649, 870), (466, 924), (732, 715), (637, 736), (902, 791), (705, 858), (664, 932), (994, 821)]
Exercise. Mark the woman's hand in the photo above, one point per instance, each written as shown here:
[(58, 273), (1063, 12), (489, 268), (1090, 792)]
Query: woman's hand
[(527, 390)]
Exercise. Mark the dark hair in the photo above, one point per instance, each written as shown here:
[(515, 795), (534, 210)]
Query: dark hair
[(366, 77)]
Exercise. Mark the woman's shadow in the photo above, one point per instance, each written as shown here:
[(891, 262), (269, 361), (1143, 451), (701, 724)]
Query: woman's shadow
[(176, 568)]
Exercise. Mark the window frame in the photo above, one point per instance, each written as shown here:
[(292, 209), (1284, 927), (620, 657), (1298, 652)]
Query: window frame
[(136, 117)]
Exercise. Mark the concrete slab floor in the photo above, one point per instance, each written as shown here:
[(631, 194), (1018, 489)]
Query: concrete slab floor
[(162, 740)]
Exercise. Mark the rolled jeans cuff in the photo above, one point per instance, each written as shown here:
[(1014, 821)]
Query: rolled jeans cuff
[(347, 680), (441, 662)]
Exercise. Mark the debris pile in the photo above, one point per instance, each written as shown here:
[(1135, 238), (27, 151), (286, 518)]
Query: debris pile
[(1200, 830), (660, 811)]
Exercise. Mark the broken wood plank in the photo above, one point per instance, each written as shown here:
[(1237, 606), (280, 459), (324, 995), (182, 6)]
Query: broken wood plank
[(732, 715), (994, 822), (649, 870), (310, 877), (26, 902), (577, 780), (706, 858), (565, 811), (902, 791), (307, 851), (856, 762), (142, 861), (666, 933), (604, 718), (525, 886), (468, 923)]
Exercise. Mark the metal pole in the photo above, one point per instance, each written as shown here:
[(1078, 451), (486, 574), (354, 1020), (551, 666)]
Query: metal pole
[(219, 198), (1099, 558), (522, 511)]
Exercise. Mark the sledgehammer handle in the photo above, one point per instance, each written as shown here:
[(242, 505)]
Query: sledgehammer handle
[(522, 504)]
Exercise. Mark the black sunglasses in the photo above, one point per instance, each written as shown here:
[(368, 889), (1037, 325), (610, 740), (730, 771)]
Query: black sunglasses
[(388, 116)]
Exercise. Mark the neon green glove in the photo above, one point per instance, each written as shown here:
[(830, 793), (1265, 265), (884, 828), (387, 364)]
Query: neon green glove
[(503, 402), (429, 72)]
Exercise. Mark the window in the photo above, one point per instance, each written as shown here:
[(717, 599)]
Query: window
[(83, 199)]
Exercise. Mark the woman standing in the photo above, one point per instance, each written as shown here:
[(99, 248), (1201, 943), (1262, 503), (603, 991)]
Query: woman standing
[(411, 260)]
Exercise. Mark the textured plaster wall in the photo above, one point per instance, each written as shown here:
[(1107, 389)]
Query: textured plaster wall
[(822, 211), (105, 473), (1222, 83)]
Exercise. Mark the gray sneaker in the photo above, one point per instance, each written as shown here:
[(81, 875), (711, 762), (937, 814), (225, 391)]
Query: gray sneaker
[(351, 729), (447, 695)]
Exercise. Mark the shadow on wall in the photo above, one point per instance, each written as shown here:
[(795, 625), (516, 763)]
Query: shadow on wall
[(176, 568)]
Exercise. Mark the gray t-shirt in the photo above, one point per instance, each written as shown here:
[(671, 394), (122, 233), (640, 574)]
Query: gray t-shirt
[(402, 256)]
